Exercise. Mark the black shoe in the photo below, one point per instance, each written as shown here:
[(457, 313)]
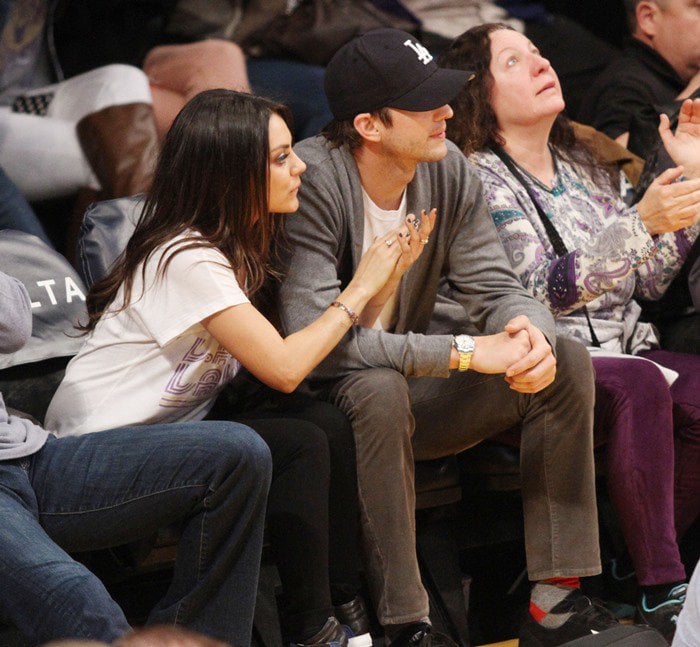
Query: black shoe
[(355, 620), (663, 617), (330, 635), (421, 634), (587, 619)]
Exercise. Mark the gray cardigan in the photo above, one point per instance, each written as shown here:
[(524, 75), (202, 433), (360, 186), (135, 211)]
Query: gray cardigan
[(463, 258), (18, 436)]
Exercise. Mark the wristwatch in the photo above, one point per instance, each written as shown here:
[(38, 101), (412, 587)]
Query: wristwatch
[(465, 347)]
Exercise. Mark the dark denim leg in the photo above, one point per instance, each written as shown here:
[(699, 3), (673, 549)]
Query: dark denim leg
[(45, 592), (116, 486), (635, 416), (685, 393), (15, 212)]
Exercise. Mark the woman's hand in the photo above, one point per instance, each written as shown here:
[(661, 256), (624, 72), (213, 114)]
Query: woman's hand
[(378, 263), (412, 239), (668, 205), (684, 145)]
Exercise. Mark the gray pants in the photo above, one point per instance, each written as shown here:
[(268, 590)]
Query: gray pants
[(397, 420)]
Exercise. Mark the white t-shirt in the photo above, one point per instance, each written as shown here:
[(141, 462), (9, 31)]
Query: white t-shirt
[(152, 362)]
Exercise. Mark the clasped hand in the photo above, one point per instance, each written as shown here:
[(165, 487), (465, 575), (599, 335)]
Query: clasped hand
[(521, 351)]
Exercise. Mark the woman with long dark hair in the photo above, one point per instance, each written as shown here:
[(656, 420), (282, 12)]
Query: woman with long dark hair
[(586, 254), (173, 321)]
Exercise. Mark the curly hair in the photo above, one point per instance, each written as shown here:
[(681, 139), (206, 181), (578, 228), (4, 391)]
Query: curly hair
[(474, 126)]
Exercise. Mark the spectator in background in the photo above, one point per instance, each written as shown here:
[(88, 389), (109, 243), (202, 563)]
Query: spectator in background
[(76, 110), (579, 54), (659, 66), (196, 48)]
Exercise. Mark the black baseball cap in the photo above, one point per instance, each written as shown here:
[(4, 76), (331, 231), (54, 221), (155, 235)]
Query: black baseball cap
[(388, 68)]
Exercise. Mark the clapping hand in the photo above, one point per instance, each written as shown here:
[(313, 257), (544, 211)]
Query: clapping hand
[(684, 145), (668, 205)]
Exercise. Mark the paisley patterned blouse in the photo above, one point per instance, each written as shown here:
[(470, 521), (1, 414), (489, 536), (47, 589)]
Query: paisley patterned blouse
[(611, 257)]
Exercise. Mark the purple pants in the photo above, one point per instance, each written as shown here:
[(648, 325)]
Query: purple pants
[(652, 432)]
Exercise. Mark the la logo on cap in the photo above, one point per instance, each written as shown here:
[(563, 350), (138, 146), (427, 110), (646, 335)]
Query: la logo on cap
[(424, 56)]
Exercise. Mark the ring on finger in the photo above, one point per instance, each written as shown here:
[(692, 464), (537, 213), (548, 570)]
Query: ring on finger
[(424, 241), (389, 242)]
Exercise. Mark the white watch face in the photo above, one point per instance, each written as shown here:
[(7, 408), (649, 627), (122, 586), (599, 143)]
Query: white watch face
[(464, 343)]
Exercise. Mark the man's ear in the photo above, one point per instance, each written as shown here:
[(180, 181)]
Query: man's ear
[(647, 13), (366, 125)]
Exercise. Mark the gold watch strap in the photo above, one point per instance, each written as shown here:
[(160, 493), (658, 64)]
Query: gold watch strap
[(465, 359)]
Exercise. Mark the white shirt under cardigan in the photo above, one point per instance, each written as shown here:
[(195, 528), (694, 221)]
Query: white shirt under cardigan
[(379, 222), (152, 362)]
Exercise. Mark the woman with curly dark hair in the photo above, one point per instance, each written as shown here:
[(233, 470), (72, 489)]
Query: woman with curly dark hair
[(586, 254)]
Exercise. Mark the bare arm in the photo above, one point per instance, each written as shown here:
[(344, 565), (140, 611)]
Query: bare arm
[(283, 363)]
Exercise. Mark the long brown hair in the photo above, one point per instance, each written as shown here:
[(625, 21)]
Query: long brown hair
[(474, 126), (211, 178)]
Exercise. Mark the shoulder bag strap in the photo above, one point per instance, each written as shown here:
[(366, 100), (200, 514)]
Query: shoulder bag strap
[(554, 238)]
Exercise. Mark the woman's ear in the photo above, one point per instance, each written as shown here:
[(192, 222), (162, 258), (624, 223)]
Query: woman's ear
[(366, 125)]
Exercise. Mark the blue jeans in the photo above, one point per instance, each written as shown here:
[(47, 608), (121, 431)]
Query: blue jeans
[(15, 212), (112, 487)]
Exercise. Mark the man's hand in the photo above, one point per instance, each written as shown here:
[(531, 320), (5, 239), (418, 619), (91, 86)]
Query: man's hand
[(538, 368), (496, 353), (684, 145)]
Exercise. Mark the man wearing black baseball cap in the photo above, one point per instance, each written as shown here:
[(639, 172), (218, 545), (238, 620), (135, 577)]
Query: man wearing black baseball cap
[(381, 160)]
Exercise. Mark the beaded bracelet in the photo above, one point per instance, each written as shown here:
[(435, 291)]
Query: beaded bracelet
[(351, 313)]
